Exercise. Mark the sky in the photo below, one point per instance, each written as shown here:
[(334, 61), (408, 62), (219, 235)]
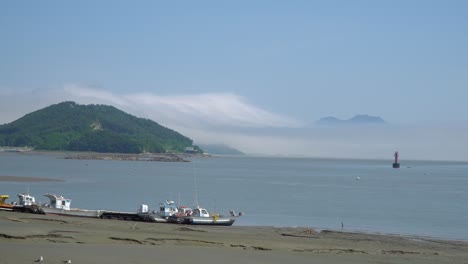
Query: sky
[(255, 75)]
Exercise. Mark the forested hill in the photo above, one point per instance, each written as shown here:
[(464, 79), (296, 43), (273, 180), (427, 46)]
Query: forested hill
[(99, 128)]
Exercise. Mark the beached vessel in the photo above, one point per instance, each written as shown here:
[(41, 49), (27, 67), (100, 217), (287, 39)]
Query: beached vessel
[(166, 209), (24, 199), (200, 216), (27, 204), (60, 205)]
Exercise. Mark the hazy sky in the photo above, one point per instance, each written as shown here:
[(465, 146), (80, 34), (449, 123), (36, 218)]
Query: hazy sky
[(231, 70)]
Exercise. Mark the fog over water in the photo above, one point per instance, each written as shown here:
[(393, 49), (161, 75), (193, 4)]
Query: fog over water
[(234, 121), (425, 142)]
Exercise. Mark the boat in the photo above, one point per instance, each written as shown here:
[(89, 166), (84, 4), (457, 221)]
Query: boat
[(166, 209), (4, 206), (200, 216), (27, 204), (24, 199), (60, 205)]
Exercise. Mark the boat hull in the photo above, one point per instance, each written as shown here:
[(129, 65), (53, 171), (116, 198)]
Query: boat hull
[(33, 209), (194, 220), (6, 207), (152, 217), (210, 221), (72, 212)]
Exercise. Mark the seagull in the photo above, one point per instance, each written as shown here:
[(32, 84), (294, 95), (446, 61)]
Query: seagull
[(358, 178), (67, 261), (41, 259)]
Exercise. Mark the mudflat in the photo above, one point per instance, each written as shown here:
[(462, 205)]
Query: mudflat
[(27, 179), (26, 237)]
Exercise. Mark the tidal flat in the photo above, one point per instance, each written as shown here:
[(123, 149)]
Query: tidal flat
[(26, 237)]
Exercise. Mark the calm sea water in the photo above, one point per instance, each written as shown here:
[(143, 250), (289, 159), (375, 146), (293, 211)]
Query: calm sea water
[(421, 198)]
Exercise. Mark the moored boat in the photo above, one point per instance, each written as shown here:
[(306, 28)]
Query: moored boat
[(60, 205), (166, 209), (200, 216), (26, 203)]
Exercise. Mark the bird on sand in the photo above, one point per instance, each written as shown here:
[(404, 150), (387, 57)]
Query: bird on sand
[(40, 259), (67, 261)]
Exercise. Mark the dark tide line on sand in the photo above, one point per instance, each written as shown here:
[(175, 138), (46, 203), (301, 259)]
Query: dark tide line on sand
[(28, 179)]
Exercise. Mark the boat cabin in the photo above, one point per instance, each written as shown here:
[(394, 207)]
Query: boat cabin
[(58, 201), (201, 212), (185, 211), (26, 199), (168, 208)]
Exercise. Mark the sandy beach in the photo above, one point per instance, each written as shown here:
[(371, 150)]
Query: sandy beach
[(26, 237)]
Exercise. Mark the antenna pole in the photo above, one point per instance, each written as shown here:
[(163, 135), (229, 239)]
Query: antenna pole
[(196, 191)]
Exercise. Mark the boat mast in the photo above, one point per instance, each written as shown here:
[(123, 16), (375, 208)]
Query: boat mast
[(196, 187)]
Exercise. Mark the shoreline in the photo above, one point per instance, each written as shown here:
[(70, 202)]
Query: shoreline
[(27, 179), (33, 179), (82, 155), (63, 153), (87, 240)]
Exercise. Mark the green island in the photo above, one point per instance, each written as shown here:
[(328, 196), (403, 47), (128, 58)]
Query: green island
[(69, 126)]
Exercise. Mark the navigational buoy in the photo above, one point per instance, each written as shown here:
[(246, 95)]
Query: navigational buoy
[(396, 165)]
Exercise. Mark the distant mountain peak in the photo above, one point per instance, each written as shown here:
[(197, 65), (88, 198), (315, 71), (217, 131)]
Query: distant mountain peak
[(357, 119), (367, 119)]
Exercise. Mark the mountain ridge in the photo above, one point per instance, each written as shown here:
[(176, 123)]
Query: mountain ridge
[(220, 149)]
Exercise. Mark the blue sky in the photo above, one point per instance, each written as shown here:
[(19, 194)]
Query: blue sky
[(251, 63)]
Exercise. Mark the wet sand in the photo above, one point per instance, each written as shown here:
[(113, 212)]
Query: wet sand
[(27, 179), (25, 237)]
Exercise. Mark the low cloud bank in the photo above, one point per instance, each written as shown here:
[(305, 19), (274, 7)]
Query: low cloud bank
[(232, 120)]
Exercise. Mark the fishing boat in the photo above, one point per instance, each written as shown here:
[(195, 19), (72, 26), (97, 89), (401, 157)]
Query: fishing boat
[(166, 209), (24, 199), (27, 204), (200, 216), (3, 204), (60, 205)]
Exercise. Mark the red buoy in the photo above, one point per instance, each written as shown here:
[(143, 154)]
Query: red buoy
[(396, 165)]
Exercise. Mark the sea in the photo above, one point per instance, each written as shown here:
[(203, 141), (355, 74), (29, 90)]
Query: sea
[(422, 198)]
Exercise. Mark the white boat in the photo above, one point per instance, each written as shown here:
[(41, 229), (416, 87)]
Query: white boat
[(148, 216), (60, 205), (200, 216), (166, 209), (25, 199), (26, 203)]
